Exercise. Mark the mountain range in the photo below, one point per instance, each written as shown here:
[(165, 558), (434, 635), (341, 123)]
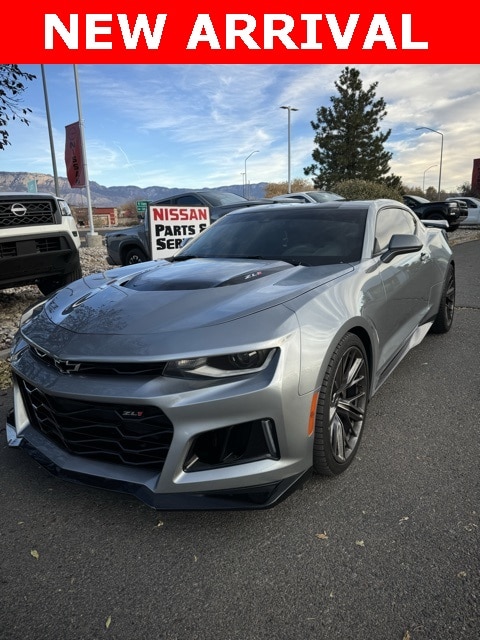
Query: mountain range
[(106, 196)]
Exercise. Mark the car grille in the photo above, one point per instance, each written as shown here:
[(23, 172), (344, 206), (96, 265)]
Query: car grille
[(29, 247), (8, 249), (37, 212), (72, 367), (127, 434)]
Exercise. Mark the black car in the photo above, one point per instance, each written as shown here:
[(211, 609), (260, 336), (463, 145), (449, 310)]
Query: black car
[(219, 202)]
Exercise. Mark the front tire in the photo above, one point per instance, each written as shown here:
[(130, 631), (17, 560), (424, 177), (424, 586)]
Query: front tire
[(51, 284), (341, 408), (135, 256), (444, 318)]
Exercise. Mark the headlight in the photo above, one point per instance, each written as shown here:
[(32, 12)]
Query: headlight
[(234, 364)]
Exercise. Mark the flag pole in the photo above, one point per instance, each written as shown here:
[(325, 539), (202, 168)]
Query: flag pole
[(92, 236), (50, 135)]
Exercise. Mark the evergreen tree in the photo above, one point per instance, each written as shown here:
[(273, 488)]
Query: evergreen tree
[(348, 139)]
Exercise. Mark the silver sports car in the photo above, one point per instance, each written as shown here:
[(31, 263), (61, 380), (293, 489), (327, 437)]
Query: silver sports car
[(221, 377)]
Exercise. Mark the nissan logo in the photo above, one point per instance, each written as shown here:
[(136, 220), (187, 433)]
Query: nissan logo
[(18, 209)]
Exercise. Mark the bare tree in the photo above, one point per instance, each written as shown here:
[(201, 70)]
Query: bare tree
[(12, 85), (279, 188)]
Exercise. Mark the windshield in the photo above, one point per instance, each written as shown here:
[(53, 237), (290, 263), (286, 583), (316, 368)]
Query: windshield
[(304, 236)]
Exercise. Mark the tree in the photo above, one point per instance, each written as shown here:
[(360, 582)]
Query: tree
[(466, 189), (129, 209), (350, 144), (11, 87), (279, 188)]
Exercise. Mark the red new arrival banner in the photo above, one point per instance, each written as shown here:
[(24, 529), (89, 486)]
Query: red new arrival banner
[(247, 31)]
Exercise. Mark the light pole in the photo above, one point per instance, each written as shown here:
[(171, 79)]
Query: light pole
[(441, 157), (432, 165), (245, 189), (289, 109)]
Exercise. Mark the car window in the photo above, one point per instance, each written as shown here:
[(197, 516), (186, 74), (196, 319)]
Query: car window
[(167, 202), (298, 197), (310, 237), (190, 200), (391, 221)]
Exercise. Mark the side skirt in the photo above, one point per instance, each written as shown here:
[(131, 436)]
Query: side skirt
[(414, 340)]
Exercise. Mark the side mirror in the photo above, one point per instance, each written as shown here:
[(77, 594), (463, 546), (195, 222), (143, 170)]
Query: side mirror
[(401, 244)]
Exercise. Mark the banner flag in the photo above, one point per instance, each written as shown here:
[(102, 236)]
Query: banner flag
[(74, 156)]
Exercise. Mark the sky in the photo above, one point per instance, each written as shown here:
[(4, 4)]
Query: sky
[(197, 126)]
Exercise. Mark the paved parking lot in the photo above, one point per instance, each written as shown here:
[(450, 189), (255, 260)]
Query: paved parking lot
[(389, 550)]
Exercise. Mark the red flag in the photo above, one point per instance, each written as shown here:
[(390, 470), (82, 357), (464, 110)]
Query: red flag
[(74, 156)]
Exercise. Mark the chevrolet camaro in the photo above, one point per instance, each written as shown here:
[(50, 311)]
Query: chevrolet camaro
[(222, 376)]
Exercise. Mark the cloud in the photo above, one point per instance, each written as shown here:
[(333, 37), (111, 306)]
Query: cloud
[(191, 125)]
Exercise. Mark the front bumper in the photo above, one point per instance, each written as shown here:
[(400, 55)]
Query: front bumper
[(254, 497), (259, 480)]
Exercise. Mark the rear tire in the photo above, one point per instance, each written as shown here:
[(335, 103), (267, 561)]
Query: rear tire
[(341, 409), (444, 318)]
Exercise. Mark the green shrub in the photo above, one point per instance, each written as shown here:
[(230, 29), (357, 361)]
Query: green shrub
[(365, 190)]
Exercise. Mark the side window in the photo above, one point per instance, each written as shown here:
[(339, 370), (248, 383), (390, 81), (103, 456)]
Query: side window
[(297, 198), (391, 221), (190, 200)]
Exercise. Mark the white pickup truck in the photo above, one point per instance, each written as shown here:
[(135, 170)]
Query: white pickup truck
[(39, 242)]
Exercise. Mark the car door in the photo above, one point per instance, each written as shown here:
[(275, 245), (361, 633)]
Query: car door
[(407, 280)]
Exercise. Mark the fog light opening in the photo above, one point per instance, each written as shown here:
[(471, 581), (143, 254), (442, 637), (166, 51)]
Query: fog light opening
[(235, 444)]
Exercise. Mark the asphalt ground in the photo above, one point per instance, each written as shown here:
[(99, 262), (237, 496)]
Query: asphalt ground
[(389, 550)]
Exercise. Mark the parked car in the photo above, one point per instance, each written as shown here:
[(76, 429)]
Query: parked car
[(454, 213), (132, 245), (39, 241), (221, 377), (473, 209), (312, 196)]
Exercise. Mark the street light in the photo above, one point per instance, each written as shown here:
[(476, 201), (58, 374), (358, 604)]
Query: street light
[(245, 192), (289, 109), (432, 165), (441, 157)]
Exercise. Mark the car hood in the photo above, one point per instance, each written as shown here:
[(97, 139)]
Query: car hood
[(140, 307), (184, 295)]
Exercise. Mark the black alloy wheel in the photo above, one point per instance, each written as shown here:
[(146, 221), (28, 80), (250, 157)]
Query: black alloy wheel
[(341, 409), (135, 256), (444, 318)]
